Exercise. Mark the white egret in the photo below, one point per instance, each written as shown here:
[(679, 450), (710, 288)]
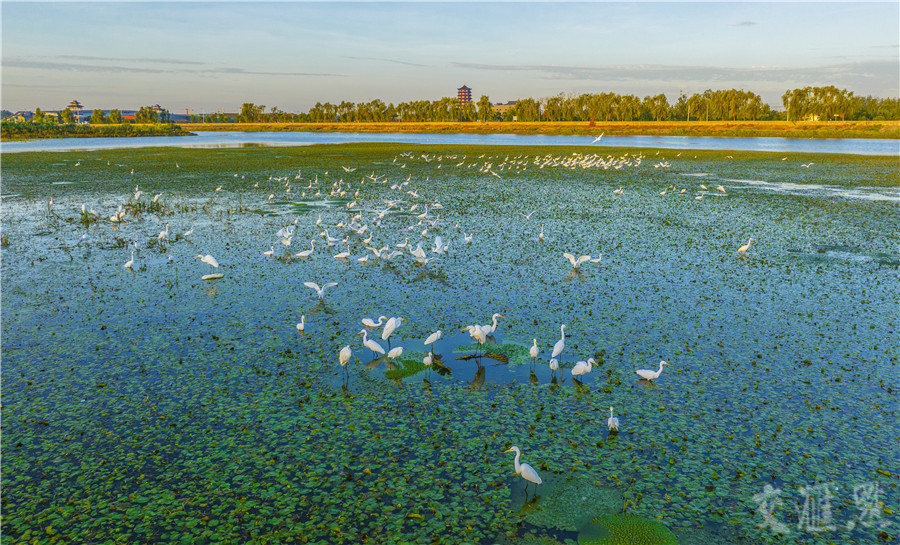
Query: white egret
[(433, 338), (130, 262), (371, 344), (270, 252), (301, 326), (320, 291), (343, 255), (561, 343), (597, 259), (576, 261), (541, 235), (389, 327), (745, 247), (208, 259), (467, 238), (650, 375), (612, 422), (428, 360), (583, 367), (477, 333), (345, 355), (526, 471), (490, 329), (307, 253), (598, 138), (370, 323), (533, 351), (554, 364), (395, 352)]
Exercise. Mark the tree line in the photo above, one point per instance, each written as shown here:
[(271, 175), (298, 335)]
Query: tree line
[(808, 103)]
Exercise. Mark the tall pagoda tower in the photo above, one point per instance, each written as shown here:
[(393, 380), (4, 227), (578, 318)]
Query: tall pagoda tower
[(463, 95)]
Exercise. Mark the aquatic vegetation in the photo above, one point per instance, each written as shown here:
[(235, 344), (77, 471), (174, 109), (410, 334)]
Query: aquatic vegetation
[(625, 530), (149, 405)]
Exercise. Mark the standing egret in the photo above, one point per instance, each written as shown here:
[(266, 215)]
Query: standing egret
[(301, 326), (433, 338), (476, 333), (395, 352), (130, 262), (344, 357), (561, 343), (746, 247), (583, 367), (371, 344), (320, 291), (554, 365), (541, 235), (389, 327), (533, 351), (428, 360), (650, 375), (489, 329), (612, 422), (526, 471), (307, 253)]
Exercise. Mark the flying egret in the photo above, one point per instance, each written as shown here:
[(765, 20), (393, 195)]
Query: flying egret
[(526, 471), (650, 375), (561, 343), (371, 344), (320, 291), (130, 262), (467, 238), (612, 422), (576, 261), (583, 367), (433, 338), (208, 259), (301, 326), (745, 247), (598, 138), (370, 323)]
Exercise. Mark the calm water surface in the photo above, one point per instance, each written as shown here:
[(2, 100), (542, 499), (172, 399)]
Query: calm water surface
[(856, 146)]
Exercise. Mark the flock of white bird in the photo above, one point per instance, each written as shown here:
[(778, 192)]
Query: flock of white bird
[(355, 233)]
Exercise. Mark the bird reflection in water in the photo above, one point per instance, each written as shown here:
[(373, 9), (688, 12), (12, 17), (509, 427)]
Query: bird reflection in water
[(478, 381)]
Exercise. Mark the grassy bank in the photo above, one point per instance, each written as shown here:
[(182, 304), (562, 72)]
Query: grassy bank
[(31, 131), (830, 129)]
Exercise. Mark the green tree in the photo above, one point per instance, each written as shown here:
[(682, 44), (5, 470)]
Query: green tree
[(485, 109), (98, 117), (251, 113), (115, 116), (38, 116), (66, 116), (147, 114)]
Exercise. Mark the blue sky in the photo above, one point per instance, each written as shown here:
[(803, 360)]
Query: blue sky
[(207, 56)]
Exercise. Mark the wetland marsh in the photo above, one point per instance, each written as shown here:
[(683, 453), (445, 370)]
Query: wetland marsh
[(146, 405)]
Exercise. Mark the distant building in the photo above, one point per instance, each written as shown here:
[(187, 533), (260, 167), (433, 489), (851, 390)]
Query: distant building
[(463, 95), (502, 108)]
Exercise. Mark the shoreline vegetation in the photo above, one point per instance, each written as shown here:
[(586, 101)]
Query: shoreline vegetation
[(17, 131), (748, 129), (784, 129)]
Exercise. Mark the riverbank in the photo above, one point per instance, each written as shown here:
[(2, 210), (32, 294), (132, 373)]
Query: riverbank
[(12, 132), (784, 129)]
